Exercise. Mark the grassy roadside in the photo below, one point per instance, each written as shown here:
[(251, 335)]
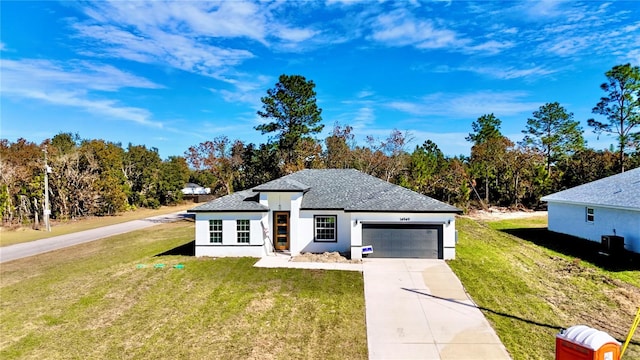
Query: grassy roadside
[(529, 292), (93, 301), (25, 234)]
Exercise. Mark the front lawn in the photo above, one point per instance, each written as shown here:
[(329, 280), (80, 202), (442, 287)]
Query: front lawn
[(107, 299), (528, 292)]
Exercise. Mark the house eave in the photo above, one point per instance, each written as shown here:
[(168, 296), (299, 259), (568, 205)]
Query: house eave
[(458, 211), (227, 211), (282, 191), (591, 204), (322, 209), (385, 211)]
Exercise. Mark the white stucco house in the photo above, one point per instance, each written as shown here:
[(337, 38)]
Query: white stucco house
[(609, 206), (315, 211)]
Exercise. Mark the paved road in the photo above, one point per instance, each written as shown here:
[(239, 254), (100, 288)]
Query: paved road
[(18, 251)]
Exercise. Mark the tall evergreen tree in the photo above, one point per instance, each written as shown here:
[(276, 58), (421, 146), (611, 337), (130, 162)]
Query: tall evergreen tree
[(489, 145), (553, 132), (621, 107), (291, 105), (485, 128)]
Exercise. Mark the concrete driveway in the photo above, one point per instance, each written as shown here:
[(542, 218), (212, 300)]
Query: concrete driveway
[(417, 309), (18, 251)]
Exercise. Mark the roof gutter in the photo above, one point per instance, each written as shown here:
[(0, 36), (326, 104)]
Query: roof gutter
[(568, 202)]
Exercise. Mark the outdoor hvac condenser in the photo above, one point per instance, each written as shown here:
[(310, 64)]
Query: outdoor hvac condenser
[(581, 342)]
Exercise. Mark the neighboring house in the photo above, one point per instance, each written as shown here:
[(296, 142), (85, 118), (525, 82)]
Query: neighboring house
[(326, 210), (609, 206), (195, 189)]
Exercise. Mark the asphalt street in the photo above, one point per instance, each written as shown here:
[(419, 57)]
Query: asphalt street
[(18, 251)]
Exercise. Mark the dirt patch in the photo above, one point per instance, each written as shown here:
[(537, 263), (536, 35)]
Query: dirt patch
[(261, 304), (614, 308), (326, 257), (501, 213)]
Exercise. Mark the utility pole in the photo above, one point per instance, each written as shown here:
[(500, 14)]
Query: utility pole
[(47, 210)]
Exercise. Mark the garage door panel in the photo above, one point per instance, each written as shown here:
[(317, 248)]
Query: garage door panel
[(403, 241)]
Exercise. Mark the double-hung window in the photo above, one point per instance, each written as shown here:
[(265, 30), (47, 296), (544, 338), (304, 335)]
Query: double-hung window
[(215, 231), (244, 230), (591, 215), (325, 228)]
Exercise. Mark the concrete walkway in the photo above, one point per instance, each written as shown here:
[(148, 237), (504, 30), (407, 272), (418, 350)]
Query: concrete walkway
[(418, 309), (22, 250)]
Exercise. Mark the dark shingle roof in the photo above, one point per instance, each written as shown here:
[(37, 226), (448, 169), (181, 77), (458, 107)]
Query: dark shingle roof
[(245, 200), (343, 189), (619, 191), (353, 190)]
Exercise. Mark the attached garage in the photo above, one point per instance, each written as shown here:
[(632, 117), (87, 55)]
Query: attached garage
[(404, 240)]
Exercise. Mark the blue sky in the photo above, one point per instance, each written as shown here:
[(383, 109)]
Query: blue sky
[(173, 74)]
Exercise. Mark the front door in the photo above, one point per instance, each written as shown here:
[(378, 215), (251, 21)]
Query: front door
[(281, 226)]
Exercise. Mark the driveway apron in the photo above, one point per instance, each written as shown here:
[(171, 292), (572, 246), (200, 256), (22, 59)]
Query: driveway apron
[(418, 309)]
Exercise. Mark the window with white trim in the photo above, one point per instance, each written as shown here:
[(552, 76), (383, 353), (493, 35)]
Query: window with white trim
[(591, 215), (325, 228), (243, 228), (215, 231)]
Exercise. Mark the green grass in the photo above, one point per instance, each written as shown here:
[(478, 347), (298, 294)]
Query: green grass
[(529, 291), (93, 301), (25, 234)]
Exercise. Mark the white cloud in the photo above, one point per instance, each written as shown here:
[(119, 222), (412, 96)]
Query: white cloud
[(50, 75), (245, 90), (364, 94), (104, 108), (72, 84), (161, 48), (467, 105), (544, 9), (632, 28), (345, 2), (359, 114), (633, 57), (569, 46), (295, 35), (191, 36), (365, 115), (400, 28), (507, 72), (490, 47), (220, 19), (3, 46)]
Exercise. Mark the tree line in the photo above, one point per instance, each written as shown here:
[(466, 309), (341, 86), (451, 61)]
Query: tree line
[(95, 177), (88, 177)]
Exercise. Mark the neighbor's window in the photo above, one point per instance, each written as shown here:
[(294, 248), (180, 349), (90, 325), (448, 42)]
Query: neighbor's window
[(325, 228), (243, 228), (215, 231), (590, 215)]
